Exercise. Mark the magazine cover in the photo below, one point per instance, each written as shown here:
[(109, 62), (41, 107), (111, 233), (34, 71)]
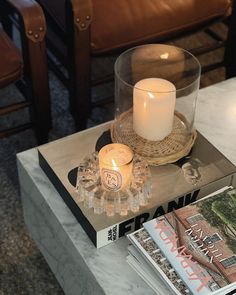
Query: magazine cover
[(199, 241)]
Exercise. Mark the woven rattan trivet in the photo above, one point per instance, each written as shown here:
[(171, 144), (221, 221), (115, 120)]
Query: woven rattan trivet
[(172, 148)]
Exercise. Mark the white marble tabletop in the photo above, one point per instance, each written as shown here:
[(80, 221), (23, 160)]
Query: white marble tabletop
[(79, 267), (216, 116)]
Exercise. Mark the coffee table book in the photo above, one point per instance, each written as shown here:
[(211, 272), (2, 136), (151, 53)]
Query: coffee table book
[(171, 184)]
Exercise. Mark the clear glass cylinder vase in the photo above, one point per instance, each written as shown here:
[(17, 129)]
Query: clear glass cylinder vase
[(156, 89)]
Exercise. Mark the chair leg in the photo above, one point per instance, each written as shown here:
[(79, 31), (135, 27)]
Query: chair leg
[(230, 50), (81, 81), (37, 73), (41, 97), (78, 48)]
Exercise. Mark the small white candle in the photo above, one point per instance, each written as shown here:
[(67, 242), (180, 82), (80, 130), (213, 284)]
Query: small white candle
[(153, 108), (115, 164)]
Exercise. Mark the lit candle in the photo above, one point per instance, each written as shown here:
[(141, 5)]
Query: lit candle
[(153, 108), (115, 164)]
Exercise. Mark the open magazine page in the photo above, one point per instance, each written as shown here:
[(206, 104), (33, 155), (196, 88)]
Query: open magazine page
[(200, 242), (161, 266)]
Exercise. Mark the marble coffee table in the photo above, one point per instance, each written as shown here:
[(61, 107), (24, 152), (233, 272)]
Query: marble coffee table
[(79, 267)]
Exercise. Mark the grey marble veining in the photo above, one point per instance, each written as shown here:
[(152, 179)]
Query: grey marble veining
[(79, 267)]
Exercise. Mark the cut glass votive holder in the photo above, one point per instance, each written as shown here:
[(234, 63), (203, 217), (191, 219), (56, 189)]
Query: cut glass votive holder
[(114, 197)]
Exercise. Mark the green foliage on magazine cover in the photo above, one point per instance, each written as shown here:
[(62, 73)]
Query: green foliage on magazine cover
[(220, 212), (225, 210)]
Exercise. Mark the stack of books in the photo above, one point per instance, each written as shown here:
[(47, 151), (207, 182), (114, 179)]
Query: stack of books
[(191, 250), (174, 185)]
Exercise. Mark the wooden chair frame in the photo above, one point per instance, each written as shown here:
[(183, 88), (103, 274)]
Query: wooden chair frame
[(34, 84)]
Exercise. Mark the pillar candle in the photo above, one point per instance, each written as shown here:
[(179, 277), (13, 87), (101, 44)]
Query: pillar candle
[(153, 108), (115, 164)]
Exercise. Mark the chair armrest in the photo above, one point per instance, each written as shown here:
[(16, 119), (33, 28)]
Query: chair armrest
[(82, 13), (32, 17)]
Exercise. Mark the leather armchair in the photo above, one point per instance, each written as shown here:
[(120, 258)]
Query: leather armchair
[(80, 29), (26, 67)]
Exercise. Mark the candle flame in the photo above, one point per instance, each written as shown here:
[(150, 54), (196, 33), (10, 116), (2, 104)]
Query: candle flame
[(164, 55)]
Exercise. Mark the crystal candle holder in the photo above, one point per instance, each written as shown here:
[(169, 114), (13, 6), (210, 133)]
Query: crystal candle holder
[(116, 197)]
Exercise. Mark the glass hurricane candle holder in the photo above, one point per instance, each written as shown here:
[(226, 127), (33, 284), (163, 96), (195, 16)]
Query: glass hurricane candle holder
[(156, 88)]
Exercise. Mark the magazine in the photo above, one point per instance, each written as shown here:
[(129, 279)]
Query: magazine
[(193, 248), (145, 271), (159, 266)]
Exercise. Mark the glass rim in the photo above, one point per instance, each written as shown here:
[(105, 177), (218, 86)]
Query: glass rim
[(146, 90), (108, 163)]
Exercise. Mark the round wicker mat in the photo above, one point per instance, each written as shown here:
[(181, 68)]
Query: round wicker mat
[(172, 148)]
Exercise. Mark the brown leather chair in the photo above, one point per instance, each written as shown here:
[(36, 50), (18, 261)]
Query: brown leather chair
[(80, 29), (26, 68)]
